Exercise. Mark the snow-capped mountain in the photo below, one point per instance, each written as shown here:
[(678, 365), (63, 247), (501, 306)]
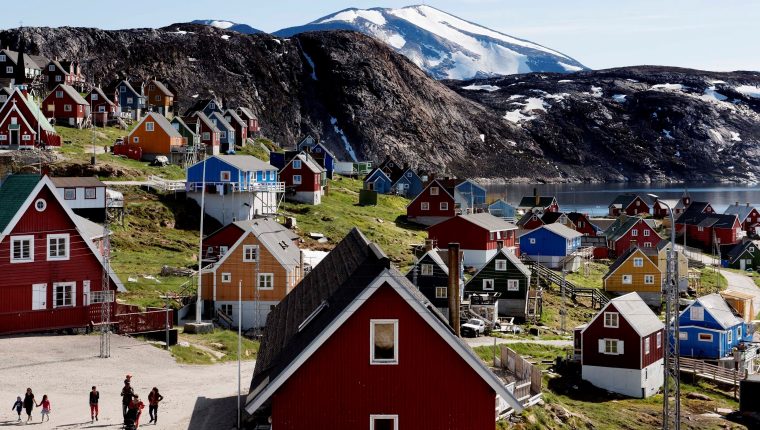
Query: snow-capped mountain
[(228, 25), (445, 46)]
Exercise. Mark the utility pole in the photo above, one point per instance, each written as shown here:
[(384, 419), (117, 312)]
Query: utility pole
[(106, 293), (563, 312), (198, 300), (240, 345)]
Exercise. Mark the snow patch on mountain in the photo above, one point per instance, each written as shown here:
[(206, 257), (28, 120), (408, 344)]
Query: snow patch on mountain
[(346, 144), (475, 87), (752, 91), (221, 24), (351, 15)]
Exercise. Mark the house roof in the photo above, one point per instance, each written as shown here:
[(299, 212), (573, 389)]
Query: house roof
[(530, 202), (324, 300), (221, 122), (551, 217), (162, 122), (235, 118), (623, 200), (434, 255), (670, 202), (527, 216), (693, 211), (716, 305), (309, 162), (199, 105), (129, 86), (620, 227), (14, 192), (206, 120), (488, 222), (709, 220), (246, 112), (625, 256), (90, 229), (178, 120), (602, 223), (72, 93), (246, 163), (562, 230), (636, 313), (35, 111), (77, 181), (739, 249), (741, 211), (30, 61), (102, 95), (277, 238), (161, 87), (40, 60)]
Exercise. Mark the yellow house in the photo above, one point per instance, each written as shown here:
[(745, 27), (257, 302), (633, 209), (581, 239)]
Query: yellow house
[(659, 255), (635, 271), (262, 266)]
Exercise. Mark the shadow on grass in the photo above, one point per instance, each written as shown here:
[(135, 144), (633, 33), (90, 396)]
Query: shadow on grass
[(570, 384), (402, 221), (213, 414)]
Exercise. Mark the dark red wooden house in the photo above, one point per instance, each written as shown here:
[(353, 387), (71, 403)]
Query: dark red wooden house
[(582, 224), (102, 105), (66, 106), (210, 135), (52, 270), (531, 220), (434, 204), (629, 204), (705, 230), (356, 346), (480, 236), (621, 349), (749, 217), (628, 231), (21, 120), (304, 179)]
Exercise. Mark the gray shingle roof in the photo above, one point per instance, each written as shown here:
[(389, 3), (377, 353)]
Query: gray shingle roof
[(277, 238), (71, 92), (310, 163), (206, 120), (246, 163), (488, 222), (163, 88), (77, 181), (221, 123), (637, 313), (562, 230), (162, 122), (716, 305), (742, 211)]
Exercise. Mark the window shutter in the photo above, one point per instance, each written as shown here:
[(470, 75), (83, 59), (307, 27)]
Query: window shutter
[(620, 347), (601, 346), (74, 295)]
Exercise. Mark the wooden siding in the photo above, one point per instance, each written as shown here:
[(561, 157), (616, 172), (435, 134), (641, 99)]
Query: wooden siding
[(53, 107), (614, 282), (420, 389), (434, 203), (632, 344), (514, 300), (310, 181), (156, 141), (638, 238), (468, 235), (428, 283)]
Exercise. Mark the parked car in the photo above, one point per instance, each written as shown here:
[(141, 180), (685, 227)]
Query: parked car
[(473, 327)]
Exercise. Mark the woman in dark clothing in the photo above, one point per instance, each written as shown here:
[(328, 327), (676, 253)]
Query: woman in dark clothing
[(127, 393), (153, 398), (29, 403)]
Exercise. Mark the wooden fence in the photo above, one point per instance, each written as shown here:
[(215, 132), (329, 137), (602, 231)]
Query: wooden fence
[(527, 376), (140, 322), (702, 369)]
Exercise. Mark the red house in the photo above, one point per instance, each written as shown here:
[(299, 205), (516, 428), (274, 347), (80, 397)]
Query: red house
[(209, 134), (304, 179), (63, 72), (21, 120), (434, 204), (749, 217), (52, 269), (706, 230), (531, 220), (621, 349), (479, 236), (103, 108), (582, 223), (629, 204), (352, 344), (253, 123), (66, 106), (627, 231)]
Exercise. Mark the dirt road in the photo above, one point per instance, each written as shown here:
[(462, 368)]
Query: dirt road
[(488, 341), (65, 367)]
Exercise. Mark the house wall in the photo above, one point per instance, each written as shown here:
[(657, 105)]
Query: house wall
[(469, 195), (153, 142), (469, 236), (346, 395), (546, 244), (630, 359), (99, 202), (718, 347), (428, 283), (310, 181), (584, 226), (629, 382), (624, 242), (212, 142), (226, 208), (614, 282), (55, 107), (225, 236), (160, 102), (511, 303), (414, 210), (23, 129), (18, 278), (254, 313), (382, 184)]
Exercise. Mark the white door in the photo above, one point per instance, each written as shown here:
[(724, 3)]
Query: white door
[(742, 264), (39, 297), (86, 293)]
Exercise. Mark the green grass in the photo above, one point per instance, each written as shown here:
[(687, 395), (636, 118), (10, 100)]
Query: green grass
[(260, 148), (711, 281), (224, 342), (339, 212), (533, 350), (593, 280), (190, 355)]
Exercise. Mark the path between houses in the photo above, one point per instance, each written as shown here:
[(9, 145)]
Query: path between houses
[(488, 341)]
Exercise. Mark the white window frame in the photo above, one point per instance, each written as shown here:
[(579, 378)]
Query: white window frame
[(646, 233), (226, 277), (608, 349), (246, 258), (729, 336), (682, 335), (634, 232), (225, 176), (94, 96), (441, 293), (649, 279), (425, 206), (433, 191), (227, 308), (486, 281), (73, 301), (67, 246), (627, 279), (67, 108), (739, 332), (532, 240), (296, 164), (500, 265), (659, 340), (372, 419), (150, 126), (15, 239), (265, 277), (513, 285), (69, 193), (697, 313), (136, 139), (90, 193), (206, 135), (8, 69), (444, 206), (613, 321), (2, 57), (647, 346), (59, 94), (426, 269), (297, 179), (372, 359), (638, 262), (705, 337)]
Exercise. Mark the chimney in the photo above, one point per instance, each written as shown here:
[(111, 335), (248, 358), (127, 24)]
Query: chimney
[(737, 203), (300, 262), (428, 245), (747, 204), (453, 288), (535, 195)]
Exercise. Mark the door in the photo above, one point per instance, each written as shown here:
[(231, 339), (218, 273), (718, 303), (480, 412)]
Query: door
[(39, 297), (742, 264), (14, 138)]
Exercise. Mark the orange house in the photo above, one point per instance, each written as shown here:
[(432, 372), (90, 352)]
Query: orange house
[(635, 271), (264, 261), (156, 136), (158, 98)]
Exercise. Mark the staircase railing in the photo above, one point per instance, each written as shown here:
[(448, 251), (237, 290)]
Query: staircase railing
[(598, 299)]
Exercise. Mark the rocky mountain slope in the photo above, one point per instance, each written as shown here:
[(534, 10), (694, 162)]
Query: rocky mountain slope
[(364, 99), (228, 25), (445, 46)]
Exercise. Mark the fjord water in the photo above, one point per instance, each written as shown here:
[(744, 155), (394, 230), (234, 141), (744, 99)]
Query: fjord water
[(595, 198)]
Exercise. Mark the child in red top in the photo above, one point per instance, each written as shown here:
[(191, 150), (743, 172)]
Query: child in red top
[(137, 404), (45, 404)]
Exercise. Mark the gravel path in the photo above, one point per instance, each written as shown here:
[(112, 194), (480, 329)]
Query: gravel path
[(65, 367), (743, 283), (488, 341)]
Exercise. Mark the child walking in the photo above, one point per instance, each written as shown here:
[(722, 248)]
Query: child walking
[(153, 399), (18, 406), (94, 399), (45, 404)]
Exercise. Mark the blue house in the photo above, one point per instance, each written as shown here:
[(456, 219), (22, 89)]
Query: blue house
[(409, 184), (237, 187), (502, 209), (709, 328), (469, 194), (226, 133), (207, 106), (552, 245), (130, 100), (378, 180)]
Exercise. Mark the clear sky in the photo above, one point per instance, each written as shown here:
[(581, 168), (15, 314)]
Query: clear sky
[(704, 34)]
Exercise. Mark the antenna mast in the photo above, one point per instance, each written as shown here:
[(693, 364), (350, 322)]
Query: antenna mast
[(106, 293)]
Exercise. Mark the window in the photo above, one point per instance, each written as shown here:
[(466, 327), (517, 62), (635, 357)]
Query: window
[(90, 193), (425, 206), (383, 422), (739, 331), (40, 205), (444, 206), (58, 78), (223, 134), (122, 89), (225, 175), (610, 346), (408, 174), (383, 347), (501, 265), (433, 191), (426, 270), (59, 94), (151, 87), (730, 336), (611, 319), (441, 292), (638, 262), (296, 164), (2, 57), (51, 108), (532, 240), (649, 279), (136, 139), (101, 108), (647, 244), (22, 249), (211, 105), (130, 100), (223, 250), (64, 294), (700, 229), (488, 284), (158, 97), (58, 247), (250, 253), (94, 96), (206, 135), (226, 278), (513, 285), (646, 232), (51, 67), (149, 126), (634, 232), (26, 137), (67, 108), (705, 337), (266, 281), (647, 346), (627, 279), (697, 313), (226, 309), (69, 193), (297, 179), (9, 69), (659, 340), (682, 335)]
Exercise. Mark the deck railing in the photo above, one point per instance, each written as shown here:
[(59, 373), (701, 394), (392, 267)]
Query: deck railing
[(140, 322)]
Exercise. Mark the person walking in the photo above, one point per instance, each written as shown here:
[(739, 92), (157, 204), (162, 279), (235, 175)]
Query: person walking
[(137, 405), (45, 404), (127, 393), (29, 403), (153, 399), (18, 406), (94, 399)]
